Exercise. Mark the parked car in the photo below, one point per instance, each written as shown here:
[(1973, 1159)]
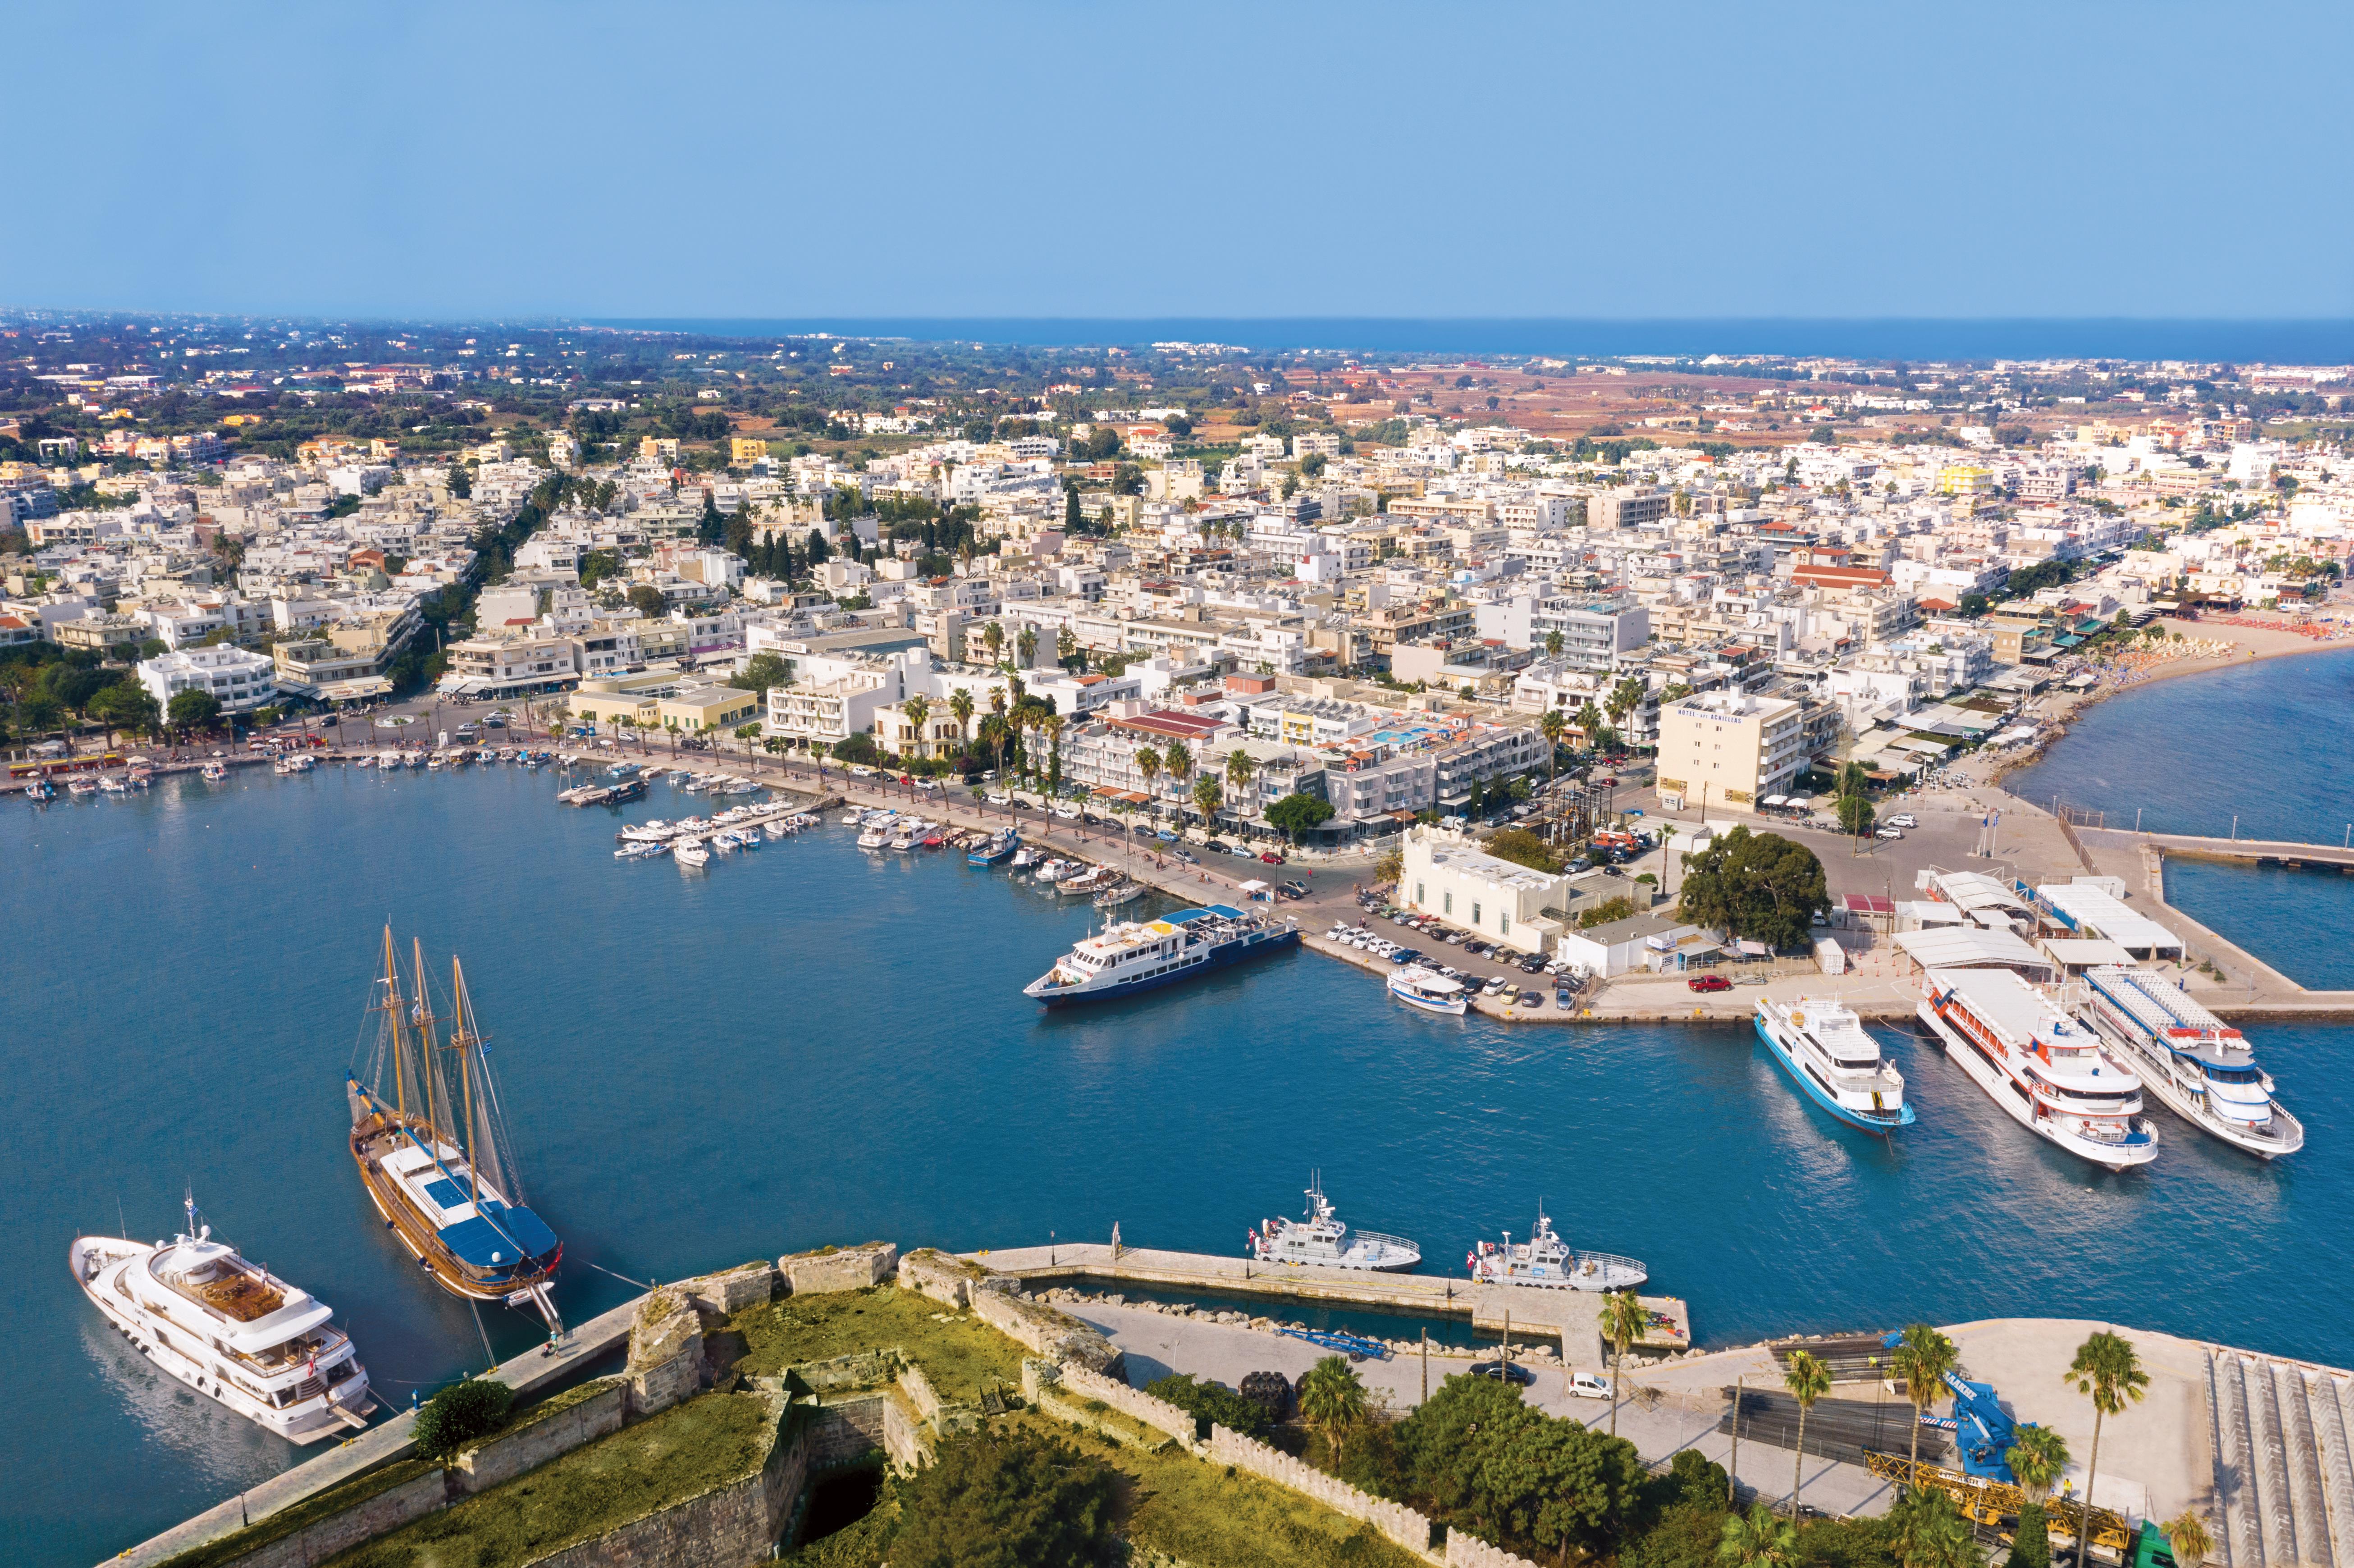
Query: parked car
[(1531, 998), (1589, 1385), (1888, 833), (1904, 820), (1504, 1371), (1709, 983), (1270, 857)]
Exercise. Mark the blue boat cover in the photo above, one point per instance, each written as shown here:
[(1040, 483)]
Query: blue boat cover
[(446, 1194), (474, 1241)]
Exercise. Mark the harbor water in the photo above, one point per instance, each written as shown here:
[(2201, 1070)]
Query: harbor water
[(812, 1043)]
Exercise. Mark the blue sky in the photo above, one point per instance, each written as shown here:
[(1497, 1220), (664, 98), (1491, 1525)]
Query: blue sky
[(2054, 159)]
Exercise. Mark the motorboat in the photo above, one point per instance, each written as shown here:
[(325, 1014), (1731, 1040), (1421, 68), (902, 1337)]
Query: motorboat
[(1835, 1061), (2040, 1066), (1547, 1262), (228, 1329), (1429, 990), (690, 851), (2201, 1068), (1321, 1240)]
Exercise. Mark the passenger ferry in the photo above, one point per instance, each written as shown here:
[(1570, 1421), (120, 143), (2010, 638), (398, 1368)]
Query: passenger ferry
[(1321, 1239), (2198, 1065), (2039, 1064), (230, 1330), (1136, 956), (1429, 990), (1544, 1260), (1835, 1061)]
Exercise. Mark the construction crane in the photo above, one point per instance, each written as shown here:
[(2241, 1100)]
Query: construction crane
[(1992, 1502)]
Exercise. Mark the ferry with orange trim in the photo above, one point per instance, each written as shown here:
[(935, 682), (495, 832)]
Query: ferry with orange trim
[(2045, 1068)]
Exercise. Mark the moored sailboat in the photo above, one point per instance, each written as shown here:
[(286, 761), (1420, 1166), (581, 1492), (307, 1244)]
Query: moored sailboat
[(435, 1156)]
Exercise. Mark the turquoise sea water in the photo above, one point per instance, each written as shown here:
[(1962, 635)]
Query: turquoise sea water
[(812, 1044)]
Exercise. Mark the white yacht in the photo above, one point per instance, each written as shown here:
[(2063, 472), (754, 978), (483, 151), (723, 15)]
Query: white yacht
[(1322, 1240), (1429, 990), (1835, 1062), (2039, 1064), (1548, 1262), (690, 851), (228, 1329), (2198, 1066)]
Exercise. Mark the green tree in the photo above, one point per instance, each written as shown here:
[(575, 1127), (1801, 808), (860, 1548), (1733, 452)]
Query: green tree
[(1212, 1402), (126, 705), (461, 1413), (1758, 885), (193, 710), (1553, 727), (1929, 1532), (1757, 1540), (1331, 1396), (1025, 646), (1589, 725), (1147, 763), (2187, 1534), (919, 709), (760, 671), (1177, 761), (1624, 1319), (960, 709), (1447, 1438), (993, 634), (1298, 813), (1522, 847), (1005, 1499), (1556, 1484), (2108, 1372), (1553, 644), (1856, 816), (647, 601), (2038, 1458), (1922, 1357), (1052, 726), (1240, 770), (1807, 1380), (1208, 797), (461, 484)]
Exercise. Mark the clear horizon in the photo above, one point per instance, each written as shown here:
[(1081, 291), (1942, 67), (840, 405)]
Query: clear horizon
[(1707, 162)]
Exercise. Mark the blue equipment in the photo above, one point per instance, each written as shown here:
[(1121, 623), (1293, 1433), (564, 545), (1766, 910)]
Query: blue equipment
[(1348, 1344)]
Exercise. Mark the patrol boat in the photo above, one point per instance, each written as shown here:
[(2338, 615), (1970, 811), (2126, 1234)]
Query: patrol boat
[(1546, 1261), (1321, 1239), (1835, 1061), (1138, 955)]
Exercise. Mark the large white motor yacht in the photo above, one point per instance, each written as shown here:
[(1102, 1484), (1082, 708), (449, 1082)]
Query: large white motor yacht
[(228, 1329), (2039, 1064), (1835, 1062)]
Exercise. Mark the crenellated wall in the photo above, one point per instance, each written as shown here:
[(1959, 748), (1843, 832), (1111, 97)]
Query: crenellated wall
[(1400, 1523), (533, 1442)]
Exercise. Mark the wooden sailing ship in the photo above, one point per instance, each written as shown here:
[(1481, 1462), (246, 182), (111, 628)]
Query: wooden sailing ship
[(432, 1148)]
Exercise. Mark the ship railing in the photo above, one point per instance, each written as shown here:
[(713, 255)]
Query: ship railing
[(1602, 1263), (1377, 1236)]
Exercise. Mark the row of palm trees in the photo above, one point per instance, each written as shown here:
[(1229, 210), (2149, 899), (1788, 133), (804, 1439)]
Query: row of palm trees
[(1933, 1534)]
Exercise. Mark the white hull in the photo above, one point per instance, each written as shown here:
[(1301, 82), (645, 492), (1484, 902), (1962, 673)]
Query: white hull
[(2004, 1091), (98, 1265)]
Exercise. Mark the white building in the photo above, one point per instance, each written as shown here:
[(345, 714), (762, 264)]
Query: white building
[(241, 679), (1447, 875)]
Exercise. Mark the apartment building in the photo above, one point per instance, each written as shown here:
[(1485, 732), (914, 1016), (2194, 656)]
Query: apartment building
[(1729, 748), (239, 679)]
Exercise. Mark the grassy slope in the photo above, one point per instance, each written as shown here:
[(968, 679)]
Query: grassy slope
[(962, 1356), (684, 1451)]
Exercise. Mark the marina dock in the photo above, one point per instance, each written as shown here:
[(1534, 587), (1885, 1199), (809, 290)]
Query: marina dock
[(379, 1444), (1573, 1317)]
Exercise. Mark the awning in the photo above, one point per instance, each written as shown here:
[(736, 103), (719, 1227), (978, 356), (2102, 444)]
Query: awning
[(354, 689), (1868, 904), (1253, 886)]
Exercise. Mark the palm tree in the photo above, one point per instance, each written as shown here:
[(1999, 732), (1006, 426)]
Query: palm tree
[(1552, 726), (919, 709), (1757, 1540), (1923, 1358), (2037, 1458), (1207, 798), (1553, 644), (1240, 770), (993, 634), (1026, 645), (960, 708), (1065, 645), (1053, 724), (1624, 1319), (1177, 760), (1148, 762), (2187, 1533), (1932, 1533), (1808, 1380), (2107, 1371), (1589, 723), (1331, 1398)]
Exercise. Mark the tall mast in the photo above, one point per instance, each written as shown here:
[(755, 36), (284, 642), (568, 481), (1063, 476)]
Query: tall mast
[(461, 1040), (392, 1015), (437, 1106)]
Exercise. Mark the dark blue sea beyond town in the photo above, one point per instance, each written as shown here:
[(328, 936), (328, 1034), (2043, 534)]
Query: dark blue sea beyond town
[(812, 1044)]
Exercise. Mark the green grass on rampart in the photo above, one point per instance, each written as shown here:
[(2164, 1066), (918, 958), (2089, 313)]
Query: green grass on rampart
[(962, 1356), (296, 1516), (681, 1453)]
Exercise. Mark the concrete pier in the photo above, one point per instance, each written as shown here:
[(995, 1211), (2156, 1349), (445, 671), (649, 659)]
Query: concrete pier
[(1572, 1317), (379, 1444)]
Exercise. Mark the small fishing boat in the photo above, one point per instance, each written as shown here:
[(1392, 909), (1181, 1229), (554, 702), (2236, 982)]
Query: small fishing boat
[(1429, 990)]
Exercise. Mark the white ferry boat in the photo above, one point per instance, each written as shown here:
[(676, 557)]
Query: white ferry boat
[(1322, 1240), (228, 1329), (2198, 1066), (1429, 990), (2039, 1064), (1544, 1260), (1136, 956), (1834, 1061)]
